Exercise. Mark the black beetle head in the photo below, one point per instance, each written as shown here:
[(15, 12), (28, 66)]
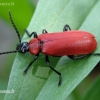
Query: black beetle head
[(23, 47)]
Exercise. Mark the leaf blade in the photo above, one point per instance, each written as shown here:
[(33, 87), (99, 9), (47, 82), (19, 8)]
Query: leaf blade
[(43, 88)]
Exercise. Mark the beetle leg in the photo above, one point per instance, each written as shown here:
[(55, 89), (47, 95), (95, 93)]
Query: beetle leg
[(48, 64), (77, 57), (35, 58), (95, 54), (44, 31), (29, 35), (66, 28)]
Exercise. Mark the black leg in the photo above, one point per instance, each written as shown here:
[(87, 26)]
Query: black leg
[(35, 34), (66, 28), (44, 31), (48, 64), (35, 58), (77, 57), (95, 54)]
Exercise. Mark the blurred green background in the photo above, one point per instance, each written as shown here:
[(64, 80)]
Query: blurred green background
[(21, 11)]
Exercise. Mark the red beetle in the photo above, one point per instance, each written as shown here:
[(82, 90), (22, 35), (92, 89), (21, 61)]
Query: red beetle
[(69, 43)]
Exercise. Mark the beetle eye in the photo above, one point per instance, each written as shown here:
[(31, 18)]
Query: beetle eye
[(17, 47)]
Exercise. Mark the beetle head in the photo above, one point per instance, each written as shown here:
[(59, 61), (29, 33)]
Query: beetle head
[(22, 47)]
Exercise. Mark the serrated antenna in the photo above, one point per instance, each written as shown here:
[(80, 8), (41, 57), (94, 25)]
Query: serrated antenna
[(14, 26)]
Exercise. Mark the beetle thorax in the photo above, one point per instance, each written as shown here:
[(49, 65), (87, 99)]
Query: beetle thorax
[(34, 46)]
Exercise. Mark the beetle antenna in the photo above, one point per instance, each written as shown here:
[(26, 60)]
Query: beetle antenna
[(14, 26), (8, 52)]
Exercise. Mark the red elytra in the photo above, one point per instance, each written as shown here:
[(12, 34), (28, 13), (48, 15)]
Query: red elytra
[(64, 43), (67, 43)]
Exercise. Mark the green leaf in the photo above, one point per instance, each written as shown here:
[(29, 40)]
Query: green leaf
[(52, 16), (3, 86), (93, 92), (18, 16)]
